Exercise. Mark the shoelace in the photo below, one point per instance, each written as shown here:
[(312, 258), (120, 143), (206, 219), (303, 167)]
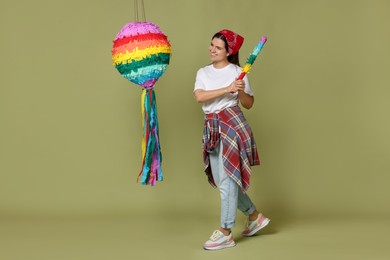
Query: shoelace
[(215, 235)]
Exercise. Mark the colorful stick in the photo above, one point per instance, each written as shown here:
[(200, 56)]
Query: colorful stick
[(252, 57)]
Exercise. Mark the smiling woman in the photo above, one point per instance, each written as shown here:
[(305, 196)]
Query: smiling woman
[(231, 46), (229, 149), (218, 52), (222, 54)]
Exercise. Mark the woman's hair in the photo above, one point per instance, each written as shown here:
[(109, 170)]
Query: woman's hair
[(231, 58)]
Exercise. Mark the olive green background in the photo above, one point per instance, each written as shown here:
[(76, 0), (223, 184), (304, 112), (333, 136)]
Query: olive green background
[(70, 136)]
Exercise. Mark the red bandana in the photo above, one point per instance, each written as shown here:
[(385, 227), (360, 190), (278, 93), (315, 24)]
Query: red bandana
[(234, 41)]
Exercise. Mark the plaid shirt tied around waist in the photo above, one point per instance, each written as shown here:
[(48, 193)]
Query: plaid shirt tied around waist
[(230, 128)]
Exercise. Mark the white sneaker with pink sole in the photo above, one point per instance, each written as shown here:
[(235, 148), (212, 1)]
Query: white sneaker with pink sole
[(219, 241), (252, 227)]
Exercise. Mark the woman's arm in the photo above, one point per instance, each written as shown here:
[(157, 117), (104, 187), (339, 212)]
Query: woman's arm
[(204, 96), (245, 99)]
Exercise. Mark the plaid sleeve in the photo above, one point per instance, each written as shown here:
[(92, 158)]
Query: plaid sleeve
[(239, 148)]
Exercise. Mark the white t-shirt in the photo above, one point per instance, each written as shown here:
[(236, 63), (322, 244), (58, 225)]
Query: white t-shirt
[(210, 78)]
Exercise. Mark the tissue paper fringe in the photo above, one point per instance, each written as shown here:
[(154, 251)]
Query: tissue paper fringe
[(151, 151)]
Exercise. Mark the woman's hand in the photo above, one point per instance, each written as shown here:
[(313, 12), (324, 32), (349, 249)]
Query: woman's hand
[(245, 99), (237, 85)]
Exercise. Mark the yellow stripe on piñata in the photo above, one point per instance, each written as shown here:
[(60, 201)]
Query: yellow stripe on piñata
[(140, 45), (138, 55)]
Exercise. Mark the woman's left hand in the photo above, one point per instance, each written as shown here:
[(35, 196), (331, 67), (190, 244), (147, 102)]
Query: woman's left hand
[(237, 85)]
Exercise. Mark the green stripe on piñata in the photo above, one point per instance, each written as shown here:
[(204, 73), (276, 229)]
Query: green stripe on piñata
[(154, 59)]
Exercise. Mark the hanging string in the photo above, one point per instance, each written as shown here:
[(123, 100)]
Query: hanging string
[(143, 16), (136, 10), (143, 10)]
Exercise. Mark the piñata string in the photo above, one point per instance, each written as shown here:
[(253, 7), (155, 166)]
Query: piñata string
[(136, 11)]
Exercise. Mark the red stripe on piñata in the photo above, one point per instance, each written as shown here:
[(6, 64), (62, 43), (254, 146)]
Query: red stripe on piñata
[(129, 47), (140, 37)]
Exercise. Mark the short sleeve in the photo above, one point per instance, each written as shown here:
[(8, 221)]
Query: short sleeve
[(199, 82), (248, 88)]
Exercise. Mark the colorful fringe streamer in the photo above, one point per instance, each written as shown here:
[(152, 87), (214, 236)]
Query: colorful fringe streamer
[(151, 151), (141, 54), (252, 57)]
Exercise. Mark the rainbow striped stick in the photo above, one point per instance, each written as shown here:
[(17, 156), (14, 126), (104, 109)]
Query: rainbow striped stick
[(252, 57)]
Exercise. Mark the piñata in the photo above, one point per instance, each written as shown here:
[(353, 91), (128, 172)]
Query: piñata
[(141, 53)]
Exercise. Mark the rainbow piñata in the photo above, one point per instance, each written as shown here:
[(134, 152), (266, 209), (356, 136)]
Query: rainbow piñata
[(141, 53)]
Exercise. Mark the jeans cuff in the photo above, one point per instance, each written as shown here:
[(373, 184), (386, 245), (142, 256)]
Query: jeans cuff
[(249, 211), (229, 225)]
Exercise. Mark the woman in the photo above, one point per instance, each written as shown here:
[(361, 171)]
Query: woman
[(229, 149)]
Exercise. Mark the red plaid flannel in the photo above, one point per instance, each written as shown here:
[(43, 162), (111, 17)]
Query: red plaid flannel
[(230, 127)]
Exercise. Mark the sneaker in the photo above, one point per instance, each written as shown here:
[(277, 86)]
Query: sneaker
[(219, 241), (253, 226)]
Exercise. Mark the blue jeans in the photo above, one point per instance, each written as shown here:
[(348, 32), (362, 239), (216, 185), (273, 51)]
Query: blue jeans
[(232, 196)]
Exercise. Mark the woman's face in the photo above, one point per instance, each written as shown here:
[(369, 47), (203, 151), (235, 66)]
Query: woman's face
[(217, 50)]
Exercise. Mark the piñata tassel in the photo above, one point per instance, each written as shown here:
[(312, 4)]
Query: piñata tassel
[(151, 151)]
